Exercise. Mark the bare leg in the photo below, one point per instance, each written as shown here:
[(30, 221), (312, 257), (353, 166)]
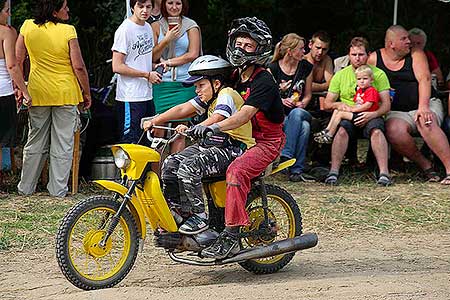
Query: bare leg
[(398, 133), (380, 150), (437, 141), (338, 149), (336, 118)]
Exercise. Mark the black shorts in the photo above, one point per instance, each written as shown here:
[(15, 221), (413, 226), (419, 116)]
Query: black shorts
[(8, 121), (354, 131), (129, 115)]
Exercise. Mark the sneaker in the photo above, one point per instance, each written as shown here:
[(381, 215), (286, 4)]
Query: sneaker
[(384, 180), (297, 177), (332, 178), (195, 224), (224, 246)]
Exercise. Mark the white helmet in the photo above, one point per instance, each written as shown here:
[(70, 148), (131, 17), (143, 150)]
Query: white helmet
[(208, 66)]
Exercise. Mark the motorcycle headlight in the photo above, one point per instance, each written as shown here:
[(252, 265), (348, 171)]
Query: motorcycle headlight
[(121, 159)]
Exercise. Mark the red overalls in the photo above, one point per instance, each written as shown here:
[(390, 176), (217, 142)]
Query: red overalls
[(270, 140)]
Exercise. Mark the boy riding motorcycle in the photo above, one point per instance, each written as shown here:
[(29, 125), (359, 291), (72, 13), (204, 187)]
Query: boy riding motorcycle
[(182, 172), (249, 46)]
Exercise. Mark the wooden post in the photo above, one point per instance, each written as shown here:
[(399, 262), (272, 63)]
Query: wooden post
[(75, 162)]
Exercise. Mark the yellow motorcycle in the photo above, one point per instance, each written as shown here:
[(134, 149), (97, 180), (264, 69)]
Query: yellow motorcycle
[(99, 238)]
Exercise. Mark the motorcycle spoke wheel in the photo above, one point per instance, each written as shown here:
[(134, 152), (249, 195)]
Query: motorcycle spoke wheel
[(82, 259), (285, 221)]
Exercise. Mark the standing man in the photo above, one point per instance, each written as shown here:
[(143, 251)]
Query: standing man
[(249, 46), (156, 12), (132, 60), (370, 124), (414, 108)]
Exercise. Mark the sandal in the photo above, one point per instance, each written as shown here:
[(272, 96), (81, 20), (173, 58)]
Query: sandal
[(384, 180), (446, 180), (331, 178), (431, 175), (323, 137)]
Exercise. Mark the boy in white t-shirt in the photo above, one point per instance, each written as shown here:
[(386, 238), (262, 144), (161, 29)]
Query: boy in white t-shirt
[(132, 61)]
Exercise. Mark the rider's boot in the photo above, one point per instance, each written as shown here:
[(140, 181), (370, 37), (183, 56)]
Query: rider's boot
[(226, 245), (196, 223)]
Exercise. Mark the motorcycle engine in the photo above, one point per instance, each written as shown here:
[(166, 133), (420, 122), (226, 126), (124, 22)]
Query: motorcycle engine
[(181, 242)]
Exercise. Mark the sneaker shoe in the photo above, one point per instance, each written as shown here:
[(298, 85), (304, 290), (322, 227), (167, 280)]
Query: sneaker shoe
[(384, 180), (297, 177), (224, 246), (195, 224)]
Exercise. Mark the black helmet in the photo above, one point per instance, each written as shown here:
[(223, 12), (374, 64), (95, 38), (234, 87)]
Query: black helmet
[(255, 29), (208, 66)]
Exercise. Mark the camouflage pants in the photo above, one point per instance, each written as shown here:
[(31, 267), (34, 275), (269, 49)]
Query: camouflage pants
[(182, 174)]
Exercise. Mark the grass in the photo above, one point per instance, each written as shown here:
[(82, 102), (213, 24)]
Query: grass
[(357, 204), (410, 205)]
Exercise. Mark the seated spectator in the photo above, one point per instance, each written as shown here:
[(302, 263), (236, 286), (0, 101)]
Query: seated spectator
[(412, 109), (341, 62), (418, 40), (366, 99), (369, 123), (322, 63), (294, 77), (447, 121), (321, 75)]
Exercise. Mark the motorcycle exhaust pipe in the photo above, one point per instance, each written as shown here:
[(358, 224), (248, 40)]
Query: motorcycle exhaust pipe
[(304, 241)]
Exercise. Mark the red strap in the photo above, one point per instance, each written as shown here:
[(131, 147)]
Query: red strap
[(258, 70)]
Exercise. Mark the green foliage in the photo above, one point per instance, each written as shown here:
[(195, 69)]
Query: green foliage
[(96, 21)]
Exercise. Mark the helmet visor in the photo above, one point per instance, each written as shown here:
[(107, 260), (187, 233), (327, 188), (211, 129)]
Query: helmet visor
[(192, 79)]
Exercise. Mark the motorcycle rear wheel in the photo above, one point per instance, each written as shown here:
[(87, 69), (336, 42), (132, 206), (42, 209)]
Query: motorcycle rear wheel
[(82, 260), (284, 213)]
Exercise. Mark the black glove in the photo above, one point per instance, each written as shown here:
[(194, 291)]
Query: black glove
[(200, 131)]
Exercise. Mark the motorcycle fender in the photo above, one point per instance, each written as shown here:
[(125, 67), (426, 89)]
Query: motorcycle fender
[(283, 166), (134, 205)]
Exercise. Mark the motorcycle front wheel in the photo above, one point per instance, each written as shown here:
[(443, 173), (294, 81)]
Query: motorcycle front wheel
[(285, 220), (84, 262)]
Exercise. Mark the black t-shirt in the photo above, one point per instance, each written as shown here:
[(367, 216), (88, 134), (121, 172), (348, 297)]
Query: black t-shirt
[(304, 68), (264, 95)]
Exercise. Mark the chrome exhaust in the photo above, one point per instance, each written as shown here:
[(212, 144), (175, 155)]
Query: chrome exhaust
[(301, 242)]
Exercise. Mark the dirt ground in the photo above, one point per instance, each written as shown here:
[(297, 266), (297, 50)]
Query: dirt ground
[(358, 266)]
